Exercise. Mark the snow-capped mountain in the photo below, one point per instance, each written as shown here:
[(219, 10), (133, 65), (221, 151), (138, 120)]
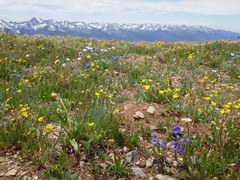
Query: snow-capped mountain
[(129, 32)]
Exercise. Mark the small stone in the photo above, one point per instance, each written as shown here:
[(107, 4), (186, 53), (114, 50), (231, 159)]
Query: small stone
[(138, 172), (141, 163), (138, 115), (164, 177), (12, 172), (149, 162), (131, 157), (125, 149), (2, 159), (151, 110), (169, 161), (175, 163), (116, 73)]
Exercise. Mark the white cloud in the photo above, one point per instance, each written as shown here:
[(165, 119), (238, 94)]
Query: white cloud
[(209, 7)]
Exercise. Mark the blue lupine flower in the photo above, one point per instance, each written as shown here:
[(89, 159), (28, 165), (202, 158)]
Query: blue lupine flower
[(154, 134), (163, 145), (186, 140), (177, 147), (154, 137), (87, 66), (27, 70), (18, 75), (114, 58), (176, 131), (154, 140)]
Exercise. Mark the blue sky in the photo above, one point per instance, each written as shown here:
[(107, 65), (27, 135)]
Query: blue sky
[(219, 14)]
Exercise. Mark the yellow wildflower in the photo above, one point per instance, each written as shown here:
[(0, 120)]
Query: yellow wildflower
[(25, 114), (48, 128), (91, 124), (160, 43), (161, 91), (146, 87), (40, 119), (97, 93), (213, 103), (175, 96)]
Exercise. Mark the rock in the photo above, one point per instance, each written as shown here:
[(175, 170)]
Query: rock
[(175, 163), (138, 172), (164, 177), (2, 159), (141, 163), (12, 172), (125, 149), (169, 161), (149, 162), (131, 157), (138, 115), (151, 110)]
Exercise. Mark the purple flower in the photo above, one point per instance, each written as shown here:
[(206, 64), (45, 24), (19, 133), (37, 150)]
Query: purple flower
[(87, 66), (73, 66), (154, 137), (154, 140), (114, 58), (18, 75), (176, 131), (177, 147), (163, 145), (27, 70), (154, 134), (186, 140)]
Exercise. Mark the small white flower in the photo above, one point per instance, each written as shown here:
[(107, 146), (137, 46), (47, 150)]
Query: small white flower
[(88, 56), (64, 65), (67, 59), (84, 50), (79, 59), (186, 119)]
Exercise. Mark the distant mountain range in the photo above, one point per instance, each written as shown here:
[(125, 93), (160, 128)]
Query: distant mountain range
[(128, 32)]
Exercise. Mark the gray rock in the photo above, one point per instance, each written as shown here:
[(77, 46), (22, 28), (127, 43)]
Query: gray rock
[(151, 110), (138, 115), (138, 172), (164, 177), (149, 162), (131, 157)]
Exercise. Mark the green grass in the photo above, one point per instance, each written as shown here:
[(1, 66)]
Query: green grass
[(200, 81)]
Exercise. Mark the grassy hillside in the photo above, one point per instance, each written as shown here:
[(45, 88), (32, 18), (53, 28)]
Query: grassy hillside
[(84, 108)]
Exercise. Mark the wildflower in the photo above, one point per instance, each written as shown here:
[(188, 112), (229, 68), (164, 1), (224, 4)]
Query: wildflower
[(90, 125), (92, 64), (116, 111), (154, 139), (222, 111), (176, 131), (87, 66), (163, 145), (161, 91), (48, 128), (27, 70), (186, 119), (18, 75), (227, 111), (114, 58), (226, 106), (40, 119), (168, 90), (213, 103), (146, 87), (97, 93), (25, 114), (177, 89), (177, 147), (23, 109), (175, 96), (160, 43), (206, 98), (143, 80)]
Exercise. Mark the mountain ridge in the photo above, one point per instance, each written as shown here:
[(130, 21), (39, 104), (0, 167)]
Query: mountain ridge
[(114, 31)]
